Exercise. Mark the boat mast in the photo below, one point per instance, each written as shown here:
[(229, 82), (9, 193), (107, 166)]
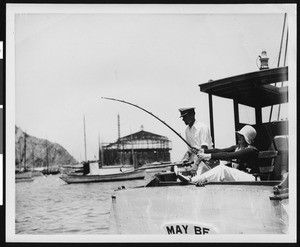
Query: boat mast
[(120, 144), (21, 160), (132, 151), (286, 45), (47, 162), (32, 158), (84, 138), (21, 156), (278, 63), (100, 152), (102, 155), (25, 150)]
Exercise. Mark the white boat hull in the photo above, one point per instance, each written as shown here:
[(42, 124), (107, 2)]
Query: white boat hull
[(131, 175), (107, 170), (224, 209)]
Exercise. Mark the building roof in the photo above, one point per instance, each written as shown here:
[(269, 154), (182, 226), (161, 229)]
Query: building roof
[(252, 89), (143, 135), (150, 138)]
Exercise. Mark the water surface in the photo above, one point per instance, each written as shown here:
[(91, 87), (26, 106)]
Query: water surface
[(50, 206)]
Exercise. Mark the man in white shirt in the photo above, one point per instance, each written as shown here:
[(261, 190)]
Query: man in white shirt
[(198, 136)]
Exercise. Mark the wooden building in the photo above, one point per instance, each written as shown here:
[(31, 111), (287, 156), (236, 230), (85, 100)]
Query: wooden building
[(137, 149)]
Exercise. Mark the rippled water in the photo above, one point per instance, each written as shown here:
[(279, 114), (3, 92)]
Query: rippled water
[(50, 206)]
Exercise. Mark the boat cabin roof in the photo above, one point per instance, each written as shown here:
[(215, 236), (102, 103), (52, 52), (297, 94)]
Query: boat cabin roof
[(252, 89)]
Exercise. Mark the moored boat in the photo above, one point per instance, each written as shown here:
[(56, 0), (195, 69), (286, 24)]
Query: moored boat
[(23, 174), (96, 169), (24, 180), (122, 176), (51, 172)]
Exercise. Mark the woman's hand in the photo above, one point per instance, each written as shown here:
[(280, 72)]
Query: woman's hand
[(203, 156), (201, 182), (194, 169)]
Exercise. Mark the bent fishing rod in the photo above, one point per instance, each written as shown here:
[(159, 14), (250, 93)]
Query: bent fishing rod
[(207, 163), (123, 101)]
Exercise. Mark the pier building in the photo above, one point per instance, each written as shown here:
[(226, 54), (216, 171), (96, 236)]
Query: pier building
[(137, 149)]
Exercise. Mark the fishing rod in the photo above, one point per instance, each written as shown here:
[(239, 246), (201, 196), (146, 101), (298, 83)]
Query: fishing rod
[(207, 162), (123, 101)]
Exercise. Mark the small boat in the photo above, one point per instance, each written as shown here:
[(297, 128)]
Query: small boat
[(36, 173), (96, 167), (23, 174), (93, 171), (121, 176), (24, 180), (49, 170)]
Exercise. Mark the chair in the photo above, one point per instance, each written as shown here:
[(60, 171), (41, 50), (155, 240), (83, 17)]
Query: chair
[(281, 145), (266, 161)]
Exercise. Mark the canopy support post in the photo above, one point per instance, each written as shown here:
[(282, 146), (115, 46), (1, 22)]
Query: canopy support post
[(236, 117), (258, 116), (211, 118)]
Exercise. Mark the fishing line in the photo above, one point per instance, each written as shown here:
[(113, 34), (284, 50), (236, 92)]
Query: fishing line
[(123, 101)]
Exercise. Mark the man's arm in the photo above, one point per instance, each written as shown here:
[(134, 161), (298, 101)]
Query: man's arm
[(246, 153), (219, 150)]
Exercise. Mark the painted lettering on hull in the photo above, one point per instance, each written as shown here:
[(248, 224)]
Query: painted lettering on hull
[(195, 229), (177, 229)]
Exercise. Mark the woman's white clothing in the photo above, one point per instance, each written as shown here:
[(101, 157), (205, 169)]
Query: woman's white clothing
[(223, 173)]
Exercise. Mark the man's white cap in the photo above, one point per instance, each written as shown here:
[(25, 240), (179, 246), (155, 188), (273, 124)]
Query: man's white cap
[(248, 132), (185, 111)]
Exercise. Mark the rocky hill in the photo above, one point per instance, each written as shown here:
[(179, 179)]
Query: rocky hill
[(39, 152)]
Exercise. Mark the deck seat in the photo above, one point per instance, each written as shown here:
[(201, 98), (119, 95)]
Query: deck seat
[(266, 161), (281, 145)]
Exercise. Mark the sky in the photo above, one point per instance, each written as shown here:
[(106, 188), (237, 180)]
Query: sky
[(66, 61)]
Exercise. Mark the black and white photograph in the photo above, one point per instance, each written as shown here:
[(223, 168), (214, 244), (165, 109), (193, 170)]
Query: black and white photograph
[(150, 123)]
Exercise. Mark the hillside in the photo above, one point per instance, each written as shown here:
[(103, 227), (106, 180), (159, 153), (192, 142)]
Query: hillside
[(37, 151)]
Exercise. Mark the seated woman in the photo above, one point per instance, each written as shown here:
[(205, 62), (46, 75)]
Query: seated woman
[(242, 156)]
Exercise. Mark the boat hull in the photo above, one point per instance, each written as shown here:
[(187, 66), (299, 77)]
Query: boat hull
[(117, 169), (74, 178), (224, 209), (37, 174), (23, 175), (50, 172), (21, 180)]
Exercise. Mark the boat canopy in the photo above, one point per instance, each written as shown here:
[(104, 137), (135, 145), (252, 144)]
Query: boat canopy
[(252, 89), (256, 89)]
